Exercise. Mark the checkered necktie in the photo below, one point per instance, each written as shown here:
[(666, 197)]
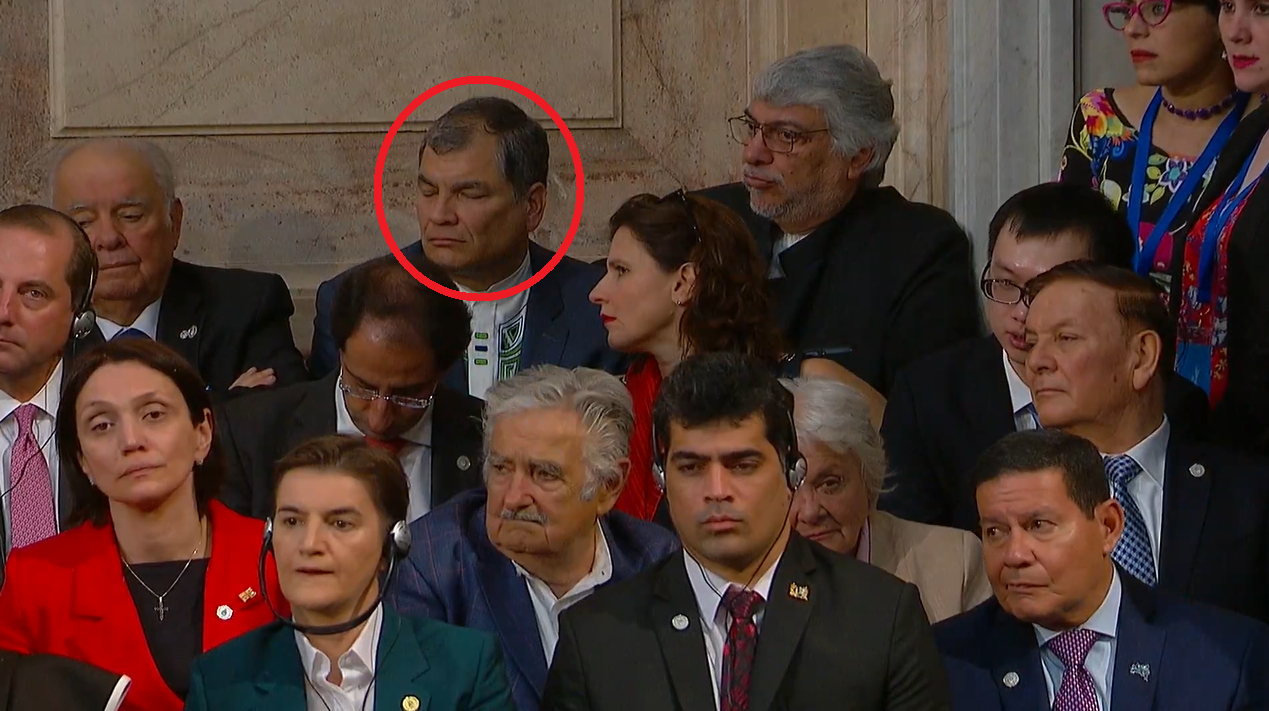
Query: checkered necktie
[(738, 650), (32, 516), (1133, 552), (1077, 692)]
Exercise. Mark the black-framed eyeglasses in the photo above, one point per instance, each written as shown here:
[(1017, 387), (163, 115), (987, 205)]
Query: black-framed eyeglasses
[(681, 196), (1002, 291), (778, 138), (1119, 14), (413, 403)]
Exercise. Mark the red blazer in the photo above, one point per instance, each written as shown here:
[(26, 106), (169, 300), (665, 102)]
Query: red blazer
[(67, 595)]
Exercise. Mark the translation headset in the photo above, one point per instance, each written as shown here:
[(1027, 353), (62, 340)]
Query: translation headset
[(85, 317), (396, 546), (794, 463)]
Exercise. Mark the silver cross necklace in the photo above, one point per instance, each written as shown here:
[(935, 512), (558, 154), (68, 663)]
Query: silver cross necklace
[(161, 608)]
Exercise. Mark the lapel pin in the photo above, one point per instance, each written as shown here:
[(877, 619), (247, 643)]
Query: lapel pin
[(1010, 680), (410, 703), (189, 333), (224, 612), (247, 594), (463, 463), (1141, 670), (679, 622), (1197, 470), (798, 592)]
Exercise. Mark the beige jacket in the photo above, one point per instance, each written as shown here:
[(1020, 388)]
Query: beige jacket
[(946, 564)]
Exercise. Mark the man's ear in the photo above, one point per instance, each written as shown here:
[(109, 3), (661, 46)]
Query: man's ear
[(859, 162), (606, 496), (535, 206), (1146, 349), (177, 217), (1110, 517)]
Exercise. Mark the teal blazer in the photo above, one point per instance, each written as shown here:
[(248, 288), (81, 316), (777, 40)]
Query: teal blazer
[(443, 667)]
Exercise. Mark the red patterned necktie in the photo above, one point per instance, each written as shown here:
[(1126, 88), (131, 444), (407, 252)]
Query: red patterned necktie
[(32, 517), (394, 445), (738, 650)]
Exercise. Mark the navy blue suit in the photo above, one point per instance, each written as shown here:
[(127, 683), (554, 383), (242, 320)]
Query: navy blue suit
[(1198, 657), (562, 326), (454, 574)]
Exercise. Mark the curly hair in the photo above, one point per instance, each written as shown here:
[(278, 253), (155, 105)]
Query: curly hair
[(729, 309)]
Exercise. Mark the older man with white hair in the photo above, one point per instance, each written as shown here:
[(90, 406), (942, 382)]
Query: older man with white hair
[(858, 273), (836, 506), (541, 535), (233, 325)]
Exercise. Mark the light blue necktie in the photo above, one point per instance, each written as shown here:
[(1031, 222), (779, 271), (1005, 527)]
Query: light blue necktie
[(1133, 552)]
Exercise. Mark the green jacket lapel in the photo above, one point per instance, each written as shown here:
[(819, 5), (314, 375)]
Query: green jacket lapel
[(401, 665)]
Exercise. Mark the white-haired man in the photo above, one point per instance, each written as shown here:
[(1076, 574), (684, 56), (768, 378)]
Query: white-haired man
[(541, 535), (858, 273), (233, 325)]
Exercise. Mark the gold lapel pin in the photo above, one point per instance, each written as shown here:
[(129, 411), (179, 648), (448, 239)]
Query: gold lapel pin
[(247, 594), (410, 703), (799, 592)]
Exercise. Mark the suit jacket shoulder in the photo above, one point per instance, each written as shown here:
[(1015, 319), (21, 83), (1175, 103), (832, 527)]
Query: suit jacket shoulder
[(944, 563)]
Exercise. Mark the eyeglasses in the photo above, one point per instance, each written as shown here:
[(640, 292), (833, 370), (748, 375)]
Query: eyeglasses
[(1152, 12), (681, 196), (1002, 291), (777, 139), (413, 403)]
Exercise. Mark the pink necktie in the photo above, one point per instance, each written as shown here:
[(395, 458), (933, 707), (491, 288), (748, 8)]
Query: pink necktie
[(32, 514)]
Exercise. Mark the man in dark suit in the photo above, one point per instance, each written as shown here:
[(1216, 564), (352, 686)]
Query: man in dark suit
[(483, 170), (233, 325), (749, 615), (542, 535), (46, 265), (31, 682), (858, 273), (1070, 630), (396, 337), (1197, 516), (946, 408)]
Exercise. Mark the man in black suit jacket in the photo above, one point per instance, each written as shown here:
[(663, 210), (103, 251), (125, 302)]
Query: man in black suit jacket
[(396, 337), (1197, 516), (946, 408), (749, 612), (1068, 628), (233, 325), (858, 273), (483, 170)]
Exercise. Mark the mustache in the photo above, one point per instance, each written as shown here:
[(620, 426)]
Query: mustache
[(760, 174), (522, 515)]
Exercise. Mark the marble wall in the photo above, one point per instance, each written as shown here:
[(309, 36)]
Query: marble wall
[(274, 111)]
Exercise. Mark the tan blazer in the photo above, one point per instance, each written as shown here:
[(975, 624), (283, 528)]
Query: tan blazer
[(946, 564)]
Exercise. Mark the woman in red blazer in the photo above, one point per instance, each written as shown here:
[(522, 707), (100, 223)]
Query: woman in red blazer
[(156, 572)]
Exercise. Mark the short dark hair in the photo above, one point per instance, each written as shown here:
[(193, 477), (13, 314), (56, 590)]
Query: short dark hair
[(48, 222), (728, 388), (728, 309), (1139, 301), (1081, 465), (1050, 210), (91, 505), (524, 153), (375, 468), (382, 289)]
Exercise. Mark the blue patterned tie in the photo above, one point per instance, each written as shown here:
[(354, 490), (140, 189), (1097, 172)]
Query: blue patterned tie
[(1133, 552), (130, 333)]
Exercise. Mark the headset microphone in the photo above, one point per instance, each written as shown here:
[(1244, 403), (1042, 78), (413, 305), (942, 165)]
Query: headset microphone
[(396, 546)]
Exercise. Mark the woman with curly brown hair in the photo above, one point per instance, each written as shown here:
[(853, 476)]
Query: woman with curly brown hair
[(684, 277)]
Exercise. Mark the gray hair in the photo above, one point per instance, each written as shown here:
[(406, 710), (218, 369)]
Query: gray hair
[(524, 153), (600, 400), (156, 159), (846, 85), (837, 415)]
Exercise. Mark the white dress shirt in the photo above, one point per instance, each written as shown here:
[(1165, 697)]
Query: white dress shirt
[(147, 322), (1101, 658), (416, 457), (1024, 418), (497, 332), (547, 607), (776, 270), (356, 668), (1151, 454), (709, 588), (46, 400)]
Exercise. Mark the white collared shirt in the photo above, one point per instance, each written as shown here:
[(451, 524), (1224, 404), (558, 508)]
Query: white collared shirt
[(776, 270), (356, 668), (1151, 454), (709, 588), (46, 400), (1101, 658), (416, 457), (497, 332), (147, 322), (1019, 398), (547, 608)]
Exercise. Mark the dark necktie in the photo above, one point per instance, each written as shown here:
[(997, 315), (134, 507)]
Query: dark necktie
[(738, 650), (130, 333)]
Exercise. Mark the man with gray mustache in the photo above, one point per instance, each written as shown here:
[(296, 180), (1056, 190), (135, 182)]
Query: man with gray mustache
[(857, 272), (541, 535)]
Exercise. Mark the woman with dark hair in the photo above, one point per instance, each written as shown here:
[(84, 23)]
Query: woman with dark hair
[(155, 571), (684, 277)]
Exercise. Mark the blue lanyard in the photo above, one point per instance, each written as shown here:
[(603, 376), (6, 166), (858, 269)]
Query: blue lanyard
[(1136, 192), (1229, 202)]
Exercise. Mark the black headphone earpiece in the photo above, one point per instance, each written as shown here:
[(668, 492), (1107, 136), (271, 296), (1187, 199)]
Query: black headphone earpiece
[(795, 463), (85, 318)]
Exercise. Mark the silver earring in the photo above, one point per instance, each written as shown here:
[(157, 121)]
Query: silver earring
[(1224, 54)]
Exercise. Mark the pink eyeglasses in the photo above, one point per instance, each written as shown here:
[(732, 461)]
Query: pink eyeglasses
[(1119, 14)]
